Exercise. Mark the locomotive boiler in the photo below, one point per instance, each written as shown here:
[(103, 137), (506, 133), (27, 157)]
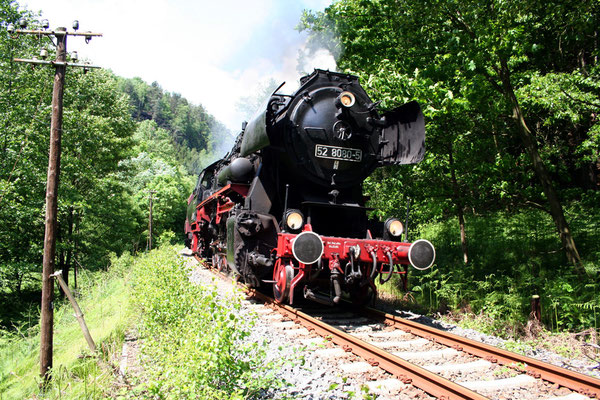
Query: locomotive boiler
[(284, 208)]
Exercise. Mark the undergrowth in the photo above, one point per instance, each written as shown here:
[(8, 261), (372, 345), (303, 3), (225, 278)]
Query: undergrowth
[(194, 344), (76, 373), (512, 256), (195, 340)]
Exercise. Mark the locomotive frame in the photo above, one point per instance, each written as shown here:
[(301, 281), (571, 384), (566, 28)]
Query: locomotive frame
[(285, 207)]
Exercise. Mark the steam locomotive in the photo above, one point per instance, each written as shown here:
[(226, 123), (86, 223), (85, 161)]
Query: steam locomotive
[(285, 206)]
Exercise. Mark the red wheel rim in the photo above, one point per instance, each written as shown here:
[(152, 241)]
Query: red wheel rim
[(282, 278)]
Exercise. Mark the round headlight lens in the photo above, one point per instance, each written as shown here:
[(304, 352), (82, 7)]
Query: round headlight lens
[(394, 227), (294, 219), (347, 99)]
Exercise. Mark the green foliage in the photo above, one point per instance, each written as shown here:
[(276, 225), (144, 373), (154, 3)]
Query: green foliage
[(76, 374), (471, 66), (97, 131), (121, 138), (194, 338), (514, 258), (452, 60), (155, 168), (196, 138), (196, 341)]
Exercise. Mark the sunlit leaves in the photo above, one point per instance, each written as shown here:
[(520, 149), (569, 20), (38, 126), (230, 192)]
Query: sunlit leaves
[(194, 337)]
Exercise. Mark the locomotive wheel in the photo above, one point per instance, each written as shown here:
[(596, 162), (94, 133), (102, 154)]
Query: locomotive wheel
[(282, 275), (219, 262)]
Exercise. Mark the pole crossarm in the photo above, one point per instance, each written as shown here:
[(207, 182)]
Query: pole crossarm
[(55, 63), (55, 33)]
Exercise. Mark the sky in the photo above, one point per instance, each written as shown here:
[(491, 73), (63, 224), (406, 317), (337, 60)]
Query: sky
[(212, 52)]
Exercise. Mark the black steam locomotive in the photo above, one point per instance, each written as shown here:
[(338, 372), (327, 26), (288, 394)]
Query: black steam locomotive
[(285, 206)]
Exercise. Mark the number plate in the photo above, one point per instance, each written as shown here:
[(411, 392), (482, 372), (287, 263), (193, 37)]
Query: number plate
[(338, 153)]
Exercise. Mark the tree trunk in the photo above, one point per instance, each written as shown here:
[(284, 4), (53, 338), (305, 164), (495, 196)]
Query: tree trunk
[(77, 221), (530, 144), (459, 206)]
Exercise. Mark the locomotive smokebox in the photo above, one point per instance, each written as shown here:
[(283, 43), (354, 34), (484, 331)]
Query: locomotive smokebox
[(421, 254), (240, 170)]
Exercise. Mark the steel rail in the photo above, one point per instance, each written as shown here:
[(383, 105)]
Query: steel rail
[(584, 384), (407, 372)]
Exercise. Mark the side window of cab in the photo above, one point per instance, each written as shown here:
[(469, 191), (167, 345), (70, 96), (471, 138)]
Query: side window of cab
[(205, 183)]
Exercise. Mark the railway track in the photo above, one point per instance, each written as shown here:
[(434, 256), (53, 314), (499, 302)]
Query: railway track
[(444, 365)]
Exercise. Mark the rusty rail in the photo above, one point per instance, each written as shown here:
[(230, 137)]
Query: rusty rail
[(428, 381), (404, 370), (584, 384)]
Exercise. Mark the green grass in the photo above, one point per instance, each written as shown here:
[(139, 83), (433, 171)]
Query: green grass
[(76, 373), (194, 343)]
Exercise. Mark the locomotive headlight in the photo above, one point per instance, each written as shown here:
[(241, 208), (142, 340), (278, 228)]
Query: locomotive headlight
[(394, 227), (346, 99), (294, 219)]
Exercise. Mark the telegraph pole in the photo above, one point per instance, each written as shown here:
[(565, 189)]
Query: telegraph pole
[(47, 323), (60, 65), (151, 192)]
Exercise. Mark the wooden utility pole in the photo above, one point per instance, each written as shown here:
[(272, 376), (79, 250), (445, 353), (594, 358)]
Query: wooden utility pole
[(60, 65), (536, 308), (151, 192), (46, 329)]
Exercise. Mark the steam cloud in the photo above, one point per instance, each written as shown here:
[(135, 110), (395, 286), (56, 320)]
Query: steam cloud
[(295, 62)]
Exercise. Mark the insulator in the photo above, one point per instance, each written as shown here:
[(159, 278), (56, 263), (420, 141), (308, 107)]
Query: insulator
[(23, 23), (45, 24), (44, 54), (75, 25), (74, 56), (10, 28)]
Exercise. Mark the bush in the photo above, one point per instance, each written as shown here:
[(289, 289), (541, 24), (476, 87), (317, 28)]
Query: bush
[(194, 339), (512, 257)]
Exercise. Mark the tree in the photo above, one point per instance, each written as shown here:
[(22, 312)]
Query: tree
[(477, 51), (97, 136)]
